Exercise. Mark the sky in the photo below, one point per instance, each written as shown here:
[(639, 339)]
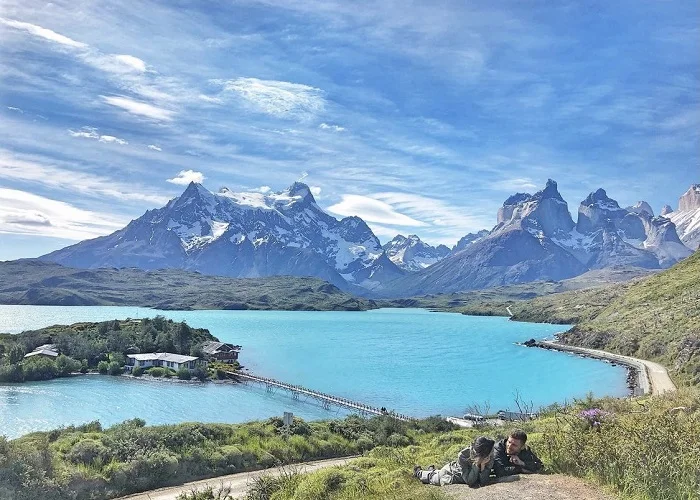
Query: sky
[(419, 117)]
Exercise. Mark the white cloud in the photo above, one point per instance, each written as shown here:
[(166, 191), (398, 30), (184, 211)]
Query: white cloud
[(372, 210), (154, 147), (44, 33), (264, 189), (282, 99), (132, 62), (139, 108), (91, 133), (111, 138), (64, 179), (334, 128), (187, 176), (22, 212), (517, 184), (315, 190), (16, 110)]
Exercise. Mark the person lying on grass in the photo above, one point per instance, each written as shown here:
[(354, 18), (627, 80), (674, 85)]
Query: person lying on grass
[(472, 467), (511, 456)]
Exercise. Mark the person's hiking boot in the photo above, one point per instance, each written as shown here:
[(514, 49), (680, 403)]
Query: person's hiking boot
[(416, 471)]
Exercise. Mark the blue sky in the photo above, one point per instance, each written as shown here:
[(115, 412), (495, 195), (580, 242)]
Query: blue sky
[(420, 118)]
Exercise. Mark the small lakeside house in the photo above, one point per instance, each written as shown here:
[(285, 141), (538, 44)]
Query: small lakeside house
[(164, 360), (221, 351), (45, 351)]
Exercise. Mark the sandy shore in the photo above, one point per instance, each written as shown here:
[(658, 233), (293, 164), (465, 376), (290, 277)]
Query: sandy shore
[(653, 378)]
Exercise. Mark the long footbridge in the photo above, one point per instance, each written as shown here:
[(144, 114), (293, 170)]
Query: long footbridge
[(326, 400)]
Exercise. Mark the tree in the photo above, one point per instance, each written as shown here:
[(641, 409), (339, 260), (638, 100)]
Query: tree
[(115, 368), (15, 354), (65, 365)]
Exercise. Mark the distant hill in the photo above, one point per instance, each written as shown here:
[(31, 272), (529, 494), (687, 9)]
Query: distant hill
[(45, 283)]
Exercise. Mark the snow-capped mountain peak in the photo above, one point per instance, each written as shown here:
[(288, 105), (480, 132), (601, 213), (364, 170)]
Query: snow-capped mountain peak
[(412, 254)]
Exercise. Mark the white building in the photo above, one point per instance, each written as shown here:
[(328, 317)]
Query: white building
[(163, 359)]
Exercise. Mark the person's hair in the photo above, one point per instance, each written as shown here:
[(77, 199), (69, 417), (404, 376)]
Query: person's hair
[(519, 435), (482, 446)]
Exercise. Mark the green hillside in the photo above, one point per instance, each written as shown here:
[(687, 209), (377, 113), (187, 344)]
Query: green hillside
[(44, 283), (656, 318)]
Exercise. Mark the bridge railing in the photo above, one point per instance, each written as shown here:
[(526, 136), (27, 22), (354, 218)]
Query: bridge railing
[(329, 398)]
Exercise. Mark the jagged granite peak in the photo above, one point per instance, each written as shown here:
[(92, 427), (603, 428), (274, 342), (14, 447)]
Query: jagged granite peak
[(505, 213), (248, 234), (690, 200), (469, 239), (687, 217), (545, 212), (302, 190), (641, 206), (666, 209), (412, 254), (596, 210)]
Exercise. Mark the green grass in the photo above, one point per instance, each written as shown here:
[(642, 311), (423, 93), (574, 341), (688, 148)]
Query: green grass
[(643, 449)]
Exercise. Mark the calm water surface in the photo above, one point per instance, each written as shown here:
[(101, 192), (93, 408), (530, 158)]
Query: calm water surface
[(413, 361)]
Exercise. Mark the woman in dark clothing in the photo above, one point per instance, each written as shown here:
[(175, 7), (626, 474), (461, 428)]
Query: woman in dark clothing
[(472, 467)]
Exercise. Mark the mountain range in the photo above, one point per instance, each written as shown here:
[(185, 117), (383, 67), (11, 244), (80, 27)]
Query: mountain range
[(287, 233)]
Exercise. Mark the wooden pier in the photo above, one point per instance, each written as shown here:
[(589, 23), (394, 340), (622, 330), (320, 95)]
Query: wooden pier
[(326, 400)]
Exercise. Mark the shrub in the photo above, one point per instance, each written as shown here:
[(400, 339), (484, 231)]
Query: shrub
[(115, 368), (65, 365), (156, 371), (137, 372), (184, 374), (103, 367), (38, 368), (87, 452)]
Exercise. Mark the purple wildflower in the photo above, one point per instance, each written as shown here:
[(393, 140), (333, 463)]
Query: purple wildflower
[(594, 416)]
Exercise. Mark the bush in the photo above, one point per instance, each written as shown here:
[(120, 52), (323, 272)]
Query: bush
[(88, 452), (137, 372), (156, 371), (184, 374), (115, 368), (39, 368), (103, 367), (65, 365), (11, 373), (200, 373)]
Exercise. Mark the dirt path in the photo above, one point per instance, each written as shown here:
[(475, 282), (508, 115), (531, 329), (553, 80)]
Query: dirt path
[(532, 487), (239, 483), (653, 377)]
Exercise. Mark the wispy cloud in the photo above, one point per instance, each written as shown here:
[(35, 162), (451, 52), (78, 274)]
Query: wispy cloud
[(277, 98), (513, 185), (66, 180), (91, 133), (372, 210), (44, 33), (139, 108), (16, 110), (22, 212), (186, 176), (154, 147), (333, 128)]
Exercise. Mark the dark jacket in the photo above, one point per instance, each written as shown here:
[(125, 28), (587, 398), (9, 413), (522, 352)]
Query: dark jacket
[(503, 467)]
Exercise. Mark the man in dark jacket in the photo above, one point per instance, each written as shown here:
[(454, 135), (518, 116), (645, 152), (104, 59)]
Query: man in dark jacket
[(511, 456)]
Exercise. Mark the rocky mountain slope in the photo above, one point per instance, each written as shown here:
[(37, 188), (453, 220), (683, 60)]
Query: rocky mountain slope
[(242, 235), (687, 217)]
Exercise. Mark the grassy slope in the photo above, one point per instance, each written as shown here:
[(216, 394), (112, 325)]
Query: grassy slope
[(656, 318), (42, 283)]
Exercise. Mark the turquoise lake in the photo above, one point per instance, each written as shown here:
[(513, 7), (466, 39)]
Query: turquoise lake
[(413, 361)]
